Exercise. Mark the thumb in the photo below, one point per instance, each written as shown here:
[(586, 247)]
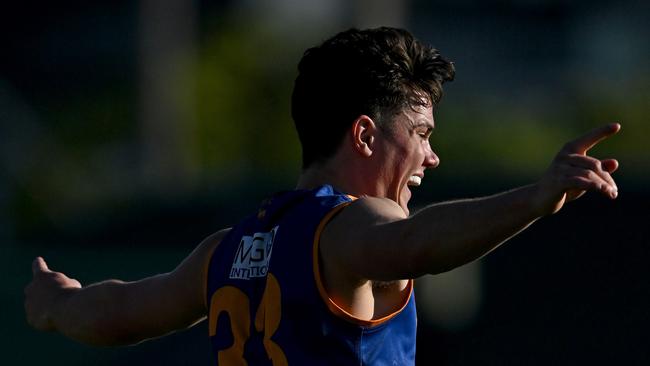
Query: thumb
[(39, 265)]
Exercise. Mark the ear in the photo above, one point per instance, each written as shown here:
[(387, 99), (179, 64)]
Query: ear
[(363, 135)]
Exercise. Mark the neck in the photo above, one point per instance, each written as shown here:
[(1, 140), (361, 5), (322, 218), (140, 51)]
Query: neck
[(329, 173)]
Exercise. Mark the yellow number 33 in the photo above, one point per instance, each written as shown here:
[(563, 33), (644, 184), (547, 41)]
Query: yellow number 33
[(267, 319)]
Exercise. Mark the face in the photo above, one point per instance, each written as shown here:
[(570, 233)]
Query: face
[(404, 154)]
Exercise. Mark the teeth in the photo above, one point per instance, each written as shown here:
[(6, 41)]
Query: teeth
[(414, 180)]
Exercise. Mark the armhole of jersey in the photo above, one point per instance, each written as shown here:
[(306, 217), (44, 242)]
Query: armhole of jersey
[(333, 306)]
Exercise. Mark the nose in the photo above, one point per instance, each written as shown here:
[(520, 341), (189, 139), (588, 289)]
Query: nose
[(431, 160)]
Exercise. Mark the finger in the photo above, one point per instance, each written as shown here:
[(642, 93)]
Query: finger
[(609, 165), (585, 142), (589, 180), (593, 164), (39, 265), (580, 184)]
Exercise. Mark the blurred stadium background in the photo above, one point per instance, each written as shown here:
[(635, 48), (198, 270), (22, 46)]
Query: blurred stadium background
[(129, 131)]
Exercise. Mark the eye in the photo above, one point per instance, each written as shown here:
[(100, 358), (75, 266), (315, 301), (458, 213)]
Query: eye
[(424, 133)]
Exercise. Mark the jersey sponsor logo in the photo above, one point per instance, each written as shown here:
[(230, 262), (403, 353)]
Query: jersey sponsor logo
[(253, 256)]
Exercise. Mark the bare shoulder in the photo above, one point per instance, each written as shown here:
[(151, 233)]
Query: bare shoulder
[(210, 243), (352, 248), (193, 269), (343, 241), (367, 211), (202, 254)]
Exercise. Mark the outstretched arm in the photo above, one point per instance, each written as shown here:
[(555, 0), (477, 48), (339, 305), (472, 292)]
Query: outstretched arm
[(372, 239), (115, 312)]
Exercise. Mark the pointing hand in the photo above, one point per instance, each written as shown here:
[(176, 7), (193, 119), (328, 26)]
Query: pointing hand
[(573, 172)]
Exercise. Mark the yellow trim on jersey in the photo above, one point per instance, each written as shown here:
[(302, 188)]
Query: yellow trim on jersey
[(333, 306)]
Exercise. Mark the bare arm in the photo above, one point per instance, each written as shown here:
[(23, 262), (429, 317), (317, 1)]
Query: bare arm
[(115, 312), (372, 239)]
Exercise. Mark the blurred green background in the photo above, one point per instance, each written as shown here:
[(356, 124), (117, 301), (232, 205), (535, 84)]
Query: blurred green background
[(129, 131)]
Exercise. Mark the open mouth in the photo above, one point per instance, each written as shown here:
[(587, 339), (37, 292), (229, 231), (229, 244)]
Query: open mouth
[(414, 180)]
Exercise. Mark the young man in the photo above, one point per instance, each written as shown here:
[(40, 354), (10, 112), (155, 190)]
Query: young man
[(322, 275)]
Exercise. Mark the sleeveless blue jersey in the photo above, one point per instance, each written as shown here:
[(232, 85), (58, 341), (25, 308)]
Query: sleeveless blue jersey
[(268, 306)]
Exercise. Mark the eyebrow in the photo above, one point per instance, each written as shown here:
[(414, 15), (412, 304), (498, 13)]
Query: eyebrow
[(423, 123)]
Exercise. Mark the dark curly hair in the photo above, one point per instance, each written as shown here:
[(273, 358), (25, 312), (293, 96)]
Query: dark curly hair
[(376, 72)]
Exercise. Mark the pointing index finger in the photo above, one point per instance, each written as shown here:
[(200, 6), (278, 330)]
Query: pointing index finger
[(585, 142)]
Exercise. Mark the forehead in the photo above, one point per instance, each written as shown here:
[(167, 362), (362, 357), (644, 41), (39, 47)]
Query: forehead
[(411, 117)]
